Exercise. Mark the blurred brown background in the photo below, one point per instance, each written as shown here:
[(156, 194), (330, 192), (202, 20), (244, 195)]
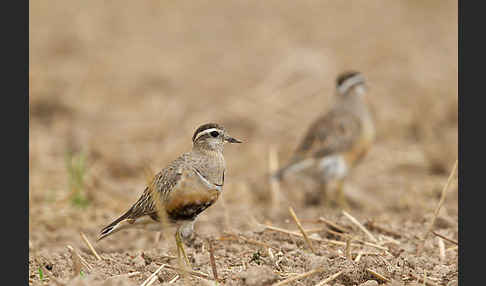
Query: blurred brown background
[(120, 86)]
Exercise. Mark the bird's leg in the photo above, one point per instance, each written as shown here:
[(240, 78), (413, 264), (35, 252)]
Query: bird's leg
[(316, 196), (180, 248), (340, 197), (321, 196)]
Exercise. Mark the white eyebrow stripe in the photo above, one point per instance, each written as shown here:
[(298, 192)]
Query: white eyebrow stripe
[(350, 82), (206, 132)]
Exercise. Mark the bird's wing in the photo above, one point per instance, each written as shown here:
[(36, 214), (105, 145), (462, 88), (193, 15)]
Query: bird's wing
[(335, 132), (157, 191), (148, 203)]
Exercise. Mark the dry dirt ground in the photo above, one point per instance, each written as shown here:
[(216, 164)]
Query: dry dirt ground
[(118, 87)]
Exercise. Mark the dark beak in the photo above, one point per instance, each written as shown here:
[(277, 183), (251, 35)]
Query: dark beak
[(232, 140)]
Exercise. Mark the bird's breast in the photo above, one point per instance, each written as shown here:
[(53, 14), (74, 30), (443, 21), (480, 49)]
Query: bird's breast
[(361, 147), (333, 167), (188, 205)]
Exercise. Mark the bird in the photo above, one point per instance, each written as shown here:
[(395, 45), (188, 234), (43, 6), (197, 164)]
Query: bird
[(181, 191), (337, 140)]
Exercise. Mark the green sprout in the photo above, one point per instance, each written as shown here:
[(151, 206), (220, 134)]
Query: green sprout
[(41, 274), (76, 167), (256, 257)]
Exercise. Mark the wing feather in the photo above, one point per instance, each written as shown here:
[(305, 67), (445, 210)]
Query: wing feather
[(335, 132)]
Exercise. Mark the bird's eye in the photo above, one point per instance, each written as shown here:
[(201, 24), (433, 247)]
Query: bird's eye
[(214, 133)]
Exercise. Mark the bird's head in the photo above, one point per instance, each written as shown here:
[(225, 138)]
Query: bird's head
[(212, 136)]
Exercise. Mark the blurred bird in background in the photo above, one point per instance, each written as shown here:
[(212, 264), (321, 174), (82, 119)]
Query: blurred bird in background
[(336, 141)]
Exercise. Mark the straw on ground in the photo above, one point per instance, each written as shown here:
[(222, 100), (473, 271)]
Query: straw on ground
[(442, 199), (299, 225), (360, 226), (330, 278), (152, 277), (85, 239), (299, 276)]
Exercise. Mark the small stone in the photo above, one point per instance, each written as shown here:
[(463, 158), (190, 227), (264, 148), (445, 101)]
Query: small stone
[(452, 283), (258, 275), (441, 269), (369, 283), (139, 261)]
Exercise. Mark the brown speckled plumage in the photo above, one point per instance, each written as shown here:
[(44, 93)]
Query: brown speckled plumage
[(344, 134), (186, 187)]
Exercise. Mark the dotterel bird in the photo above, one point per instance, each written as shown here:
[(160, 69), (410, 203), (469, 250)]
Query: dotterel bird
[(181, 191), (338, 140)]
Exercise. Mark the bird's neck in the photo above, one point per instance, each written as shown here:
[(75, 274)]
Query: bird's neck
[(209, 150), (354, 98), (212, 163)]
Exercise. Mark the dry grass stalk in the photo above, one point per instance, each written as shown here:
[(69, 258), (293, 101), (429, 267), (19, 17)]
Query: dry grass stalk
[(452, 248), (232, 236), (372, 244), (270, 254), (152, 276), (377, 275), (441, 245), (152, 280), (85, 239), (342, 235), (274, 184), (311, 230), (446, 238), (314, 221), (212, 260), (419, 279), (158, 234), (252, 241), (360, 226), (372, 226), (390, 239), (132, 274), (192, 272), (330, 278), (330, 241), (348, 248), (77, 265), (442, 199), (363, 253), (333, 225), (314, 230), (299, 276), (299, 225), (127, 275), (78, 261), (347, 236), (173, 280)]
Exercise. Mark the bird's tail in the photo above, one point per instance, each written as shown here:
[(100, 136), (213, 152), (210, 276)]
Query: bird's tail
[(116, 225), (278, 175), (294, 166)]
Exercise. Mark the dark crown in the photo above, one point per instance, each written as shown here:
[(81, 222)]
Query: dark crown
[(205, 127), (345, 76)]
